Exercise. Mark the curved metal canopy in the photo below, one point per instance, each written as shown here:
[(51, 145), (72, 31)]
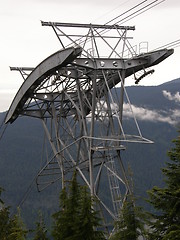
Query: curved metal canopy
[(66, 56), (41, 72)]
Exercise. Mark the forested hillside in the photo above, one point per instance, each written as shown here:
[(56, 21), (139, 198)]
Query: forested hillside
[(157, 110)]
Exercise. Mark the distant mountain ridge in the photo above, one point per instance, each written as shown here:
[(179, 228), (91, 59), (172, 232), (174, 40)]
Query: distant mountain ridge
[(153, 95), (175, 81)]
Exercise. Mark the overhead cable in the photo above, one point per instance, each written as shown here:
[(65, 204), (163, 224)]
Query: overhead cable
[(127, 18), (110, 11), (173, 44), (26, 194), (140, 11), (126, 12)]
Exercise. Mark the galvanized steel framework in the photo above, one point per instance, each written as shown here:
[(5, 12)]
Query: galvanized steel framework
[(73, 92)]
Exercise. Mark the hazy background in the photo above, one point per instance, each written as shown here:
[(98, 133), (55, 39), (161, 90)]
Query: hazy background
[(25, 43)]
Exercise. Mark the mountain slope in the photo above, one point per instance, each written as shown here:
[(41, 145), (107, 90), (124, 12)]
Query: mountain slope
[(153, 97), (158, 113)]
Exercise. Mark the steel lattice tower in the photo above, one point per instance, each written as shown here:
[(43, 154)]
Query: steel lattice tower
[(75, 93)]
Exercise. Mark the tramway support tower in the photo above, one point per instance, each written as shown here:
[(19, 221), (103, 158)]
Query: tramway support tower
[(78, 94)]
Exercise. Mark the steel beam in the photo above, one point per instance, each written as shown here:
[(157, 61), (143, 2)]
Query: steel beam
[(80, 25)]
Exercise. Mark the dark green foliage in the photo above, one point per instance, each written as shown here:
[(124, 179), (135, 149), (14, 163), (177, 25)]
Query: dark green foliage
[(1, 201), (66, 220), (4, 223), (166, 200), (88, 218), (4, 219), (11, 228), (17, 229), (131, 222), (40, 231), (76, 219)]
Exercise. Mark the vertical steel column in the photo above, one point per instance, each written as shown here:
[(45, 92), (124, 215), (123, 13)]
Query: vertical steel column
[(87, 141), (91, 135), (54, 117), (122, 75)]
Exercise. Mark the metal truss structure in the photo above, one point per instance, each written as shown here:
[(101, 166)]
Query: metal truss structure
[(75, 93)]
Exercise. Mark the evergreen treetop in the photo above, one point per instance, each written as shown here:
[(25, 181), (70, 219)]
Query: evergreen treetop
[(166, 201), (76, 218), (40, 230), (17, 229)]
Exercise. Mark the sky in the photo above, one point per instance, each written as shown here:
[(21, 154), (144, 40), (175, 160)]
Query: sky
[(25, 43)]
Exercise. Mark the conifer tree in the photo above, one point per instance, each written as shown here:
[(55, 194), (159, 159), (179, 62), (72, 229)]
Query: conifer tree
[(17, 230), (11, 228), (166, 224), (1, 201), (41, 230), (89, 218), (66, 219), (131, 221), (4, 219), (76, 220)]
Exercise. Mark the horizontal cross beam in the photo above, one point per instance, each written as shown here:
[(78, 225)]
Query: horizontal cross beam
[(81, 25), (21, 68)]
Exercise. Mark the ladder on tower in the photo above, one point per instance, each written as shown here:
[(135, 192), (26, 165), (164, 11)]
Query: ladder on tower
[(114, 185)]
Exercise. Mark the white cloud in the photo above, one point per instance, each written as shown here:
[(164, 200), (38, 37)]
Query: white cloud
[(171, 117), (172, 97)]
